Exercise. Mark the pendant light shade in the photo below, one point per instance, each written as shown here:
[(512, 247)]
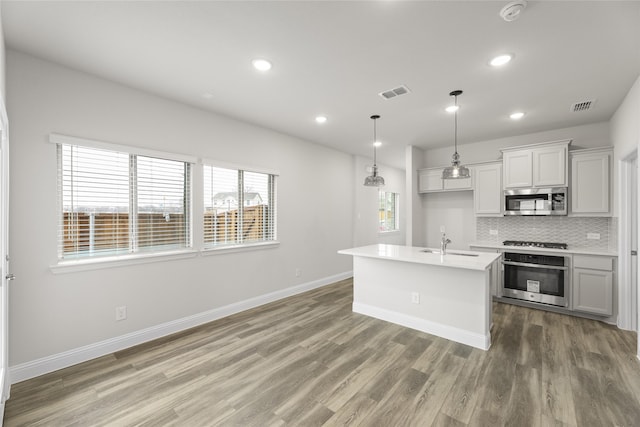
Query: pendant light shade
[(456, 170), (374, 180)]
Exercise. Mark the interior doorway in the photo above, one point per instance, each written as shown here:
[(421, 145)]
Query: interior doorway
[(5, 274), (628, 244)]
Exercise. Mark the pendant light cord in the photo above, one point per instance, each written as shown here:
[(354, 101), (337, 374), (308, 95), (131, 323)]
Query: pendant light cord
[(455, 121), (374, 141)]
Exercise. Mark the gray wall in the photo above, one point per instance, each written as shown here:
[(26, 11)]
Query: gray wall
[(587, 136), (56, 313), (365, 218)]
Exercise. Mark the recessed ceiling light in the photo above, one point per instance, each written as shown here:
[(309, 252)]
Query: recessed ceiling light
[(321, 119), (207, 95), (261, 64), (452, 108), (517, 116), (501, 60), (377, 144)]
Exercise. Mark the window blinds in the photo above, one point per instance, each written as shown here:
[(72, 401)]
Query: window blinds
[(163, 195), (114, 203), (239, 207)]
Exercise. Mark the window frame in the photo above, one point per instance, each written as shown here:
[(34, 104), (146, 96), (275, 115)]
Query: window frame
[(194, 206), (80, 263), (396, 212), (273, 176)]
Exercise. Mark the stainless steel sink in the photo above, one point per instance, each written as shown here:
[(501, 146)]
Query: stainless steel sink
[(431, 251)]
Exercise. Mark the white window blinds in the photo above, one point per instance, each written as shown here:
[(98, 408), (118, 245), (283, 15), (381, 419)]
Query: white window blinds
[(163, 195), (239, 207), (115, 203)]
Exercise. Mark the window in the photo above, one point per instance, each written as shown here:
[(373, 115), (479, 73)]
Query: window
[(388, 211), (239, 207), (120, 203)]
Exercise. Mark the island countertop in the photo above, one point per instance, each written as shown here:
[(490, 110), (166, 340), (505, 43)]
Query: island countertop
[(454, 258)]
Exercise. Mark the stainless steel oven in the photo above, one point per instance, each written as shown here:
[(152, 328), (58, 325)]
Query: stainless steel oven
[(536, 277)]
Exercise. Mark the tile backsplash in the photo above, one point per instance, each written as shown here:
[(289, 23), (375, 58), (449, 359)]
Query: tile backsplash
[(561, 229)]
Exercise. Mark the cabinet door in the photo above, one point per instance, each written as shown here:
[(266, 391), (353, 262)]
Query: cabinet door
[(593, 291), (517, 168), (495, 274), (590, 184), (488, 195), (458, 184), (550, 167), (430, 180)]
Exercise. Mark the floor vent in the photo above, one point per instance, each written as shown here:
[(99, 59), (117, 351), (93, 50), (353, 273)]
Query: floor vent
[(582, 106), (397, 91)]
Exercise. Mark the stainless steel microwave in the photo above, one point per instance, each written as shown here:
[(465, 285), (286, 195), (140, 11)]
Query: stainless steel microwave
[(536, 201)]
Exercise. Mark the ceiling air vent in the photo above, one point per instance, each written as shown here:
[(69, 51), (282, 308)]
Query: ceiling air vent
[(392, 93), (582, 106)]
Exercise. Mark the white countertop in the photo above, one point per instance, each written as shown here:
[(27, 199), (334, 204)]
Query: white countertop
[(416, 255), (570, 250)]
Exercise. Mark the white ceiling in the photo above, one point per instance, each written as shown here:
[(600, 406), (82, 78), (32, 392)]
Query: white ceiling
[(334, 57)]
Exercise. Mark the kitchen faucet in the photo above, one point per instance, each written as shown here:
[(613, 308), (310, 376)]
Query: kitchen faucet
[(443, 244)]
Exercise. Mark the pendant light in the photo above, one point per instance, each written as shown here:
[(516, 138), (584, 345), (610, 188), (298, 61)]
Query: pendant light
[(456, 170), (374, 180)]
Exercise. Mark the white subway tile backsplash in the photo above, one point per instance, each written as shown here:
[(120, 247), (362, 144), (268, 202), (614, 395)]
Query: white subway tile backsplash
[(561, 229)]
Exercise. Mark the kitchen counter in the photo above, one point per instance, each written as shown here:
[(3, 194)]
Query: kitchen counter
[(454, 258), (571, 250), (444, 295)]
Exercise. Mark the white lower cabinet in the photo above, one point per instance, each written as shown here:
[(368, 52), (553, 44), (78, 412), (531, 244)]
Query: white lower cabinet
[(593, 284), (496, 269)]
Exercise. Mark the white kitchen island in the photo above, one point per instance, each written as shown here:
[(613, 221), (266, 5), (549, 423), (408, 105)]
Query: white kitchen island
[(444, 295)]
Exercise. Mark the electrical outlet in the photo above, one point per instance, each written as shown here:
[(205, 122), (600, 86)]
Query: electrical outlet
[(121, 312), (298, 272), (493, 232), (593, 236), (442, 228), (415, 297)]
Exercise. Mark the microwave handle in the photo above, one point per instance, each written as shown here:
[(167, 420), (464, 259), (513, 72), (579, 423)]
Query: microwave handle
[(526, 264)]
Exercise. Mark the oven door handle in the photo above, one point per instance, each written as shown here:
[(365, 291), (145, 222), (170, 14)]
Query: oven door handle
[(526, 264)]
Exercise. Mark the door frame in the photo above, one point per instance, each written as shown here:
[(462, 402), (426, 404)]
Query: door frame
[(627, 309), (5, 379)]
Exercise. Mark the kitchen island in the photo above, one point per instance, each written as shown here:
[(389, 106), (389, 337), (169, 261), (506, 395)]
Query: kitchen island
[(444, 295)]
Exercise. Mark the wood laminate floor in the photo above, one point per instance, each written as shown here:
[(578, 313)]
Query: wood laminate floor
[(309, 361)]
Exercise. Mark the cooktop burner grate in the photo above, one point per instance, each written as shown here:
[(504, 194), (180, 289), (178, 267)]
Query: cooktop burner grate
[(546, 245)]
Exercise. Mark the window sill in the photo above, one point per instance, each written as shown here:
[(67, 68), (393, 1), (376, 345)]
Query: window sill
[(240, 248), (386, 233), (123, 260)]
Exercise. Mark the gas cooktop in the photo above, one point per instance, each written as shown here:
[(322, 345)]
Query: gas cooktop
[(546, 245)]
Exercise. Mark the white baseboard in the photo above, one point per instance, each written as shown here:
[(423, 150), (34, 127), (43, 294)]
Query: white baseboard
[(449, 332), (32, 369)]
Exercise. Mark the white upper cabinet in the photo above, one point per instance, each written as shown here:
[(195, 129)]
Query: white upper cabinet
[(458, 184), (430, 180), (517, 168), (487, 195), (591, 182), (539, 165), (550, 166)]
